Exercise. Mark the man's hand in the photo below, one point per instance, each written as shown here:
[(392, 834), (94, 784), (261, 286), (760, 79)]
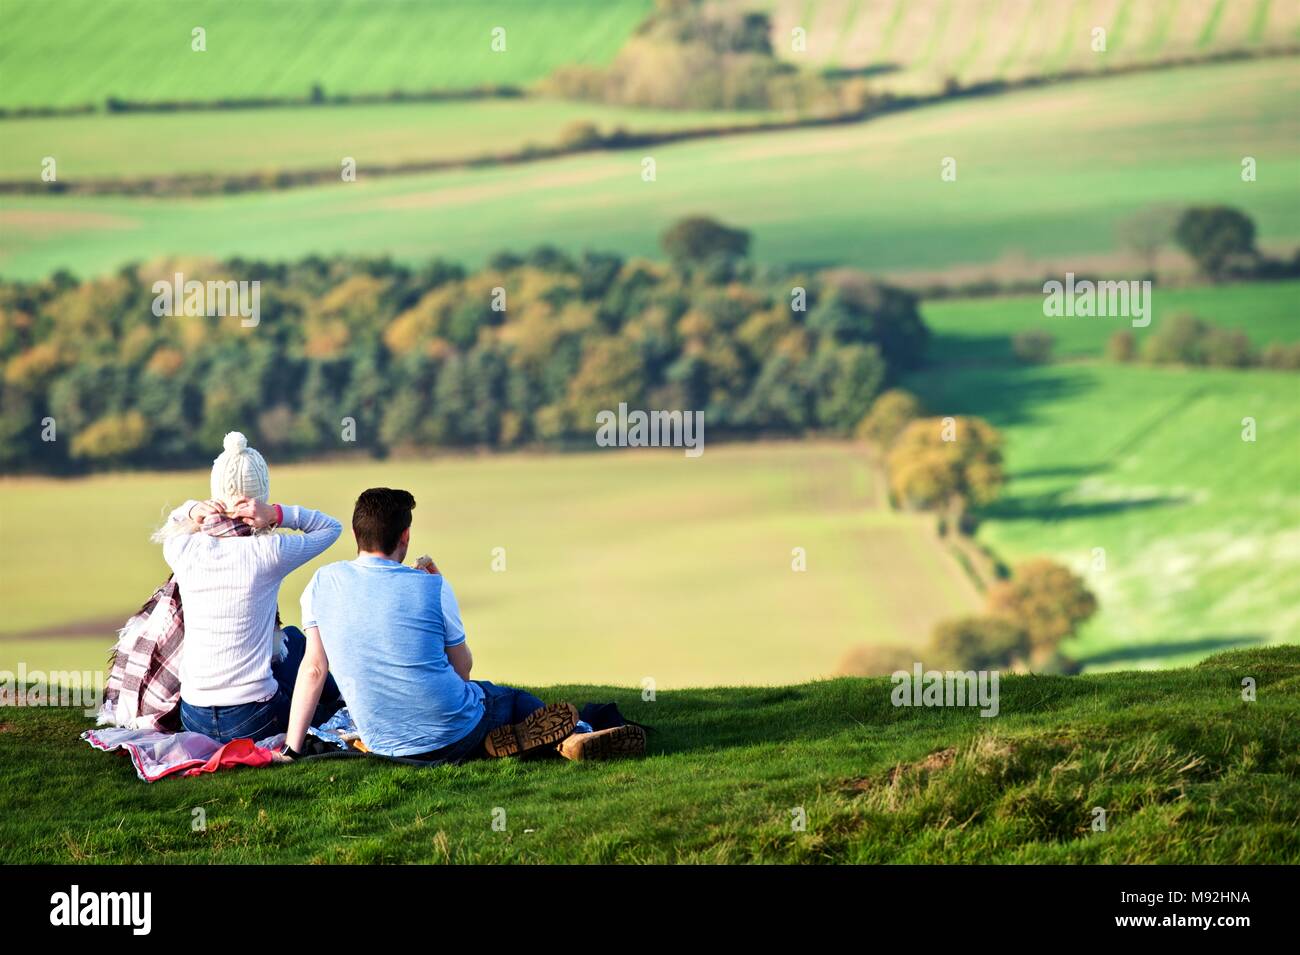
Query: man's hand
[(257, 514), (426, 564), (202, 510)]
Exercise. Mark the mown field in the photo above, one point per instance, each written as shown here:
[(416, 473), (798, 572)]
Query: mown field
[(1186, 771), (1201, 531), (1043, 178), (619, 566), (917, 44), (139, 145), (71, 52)]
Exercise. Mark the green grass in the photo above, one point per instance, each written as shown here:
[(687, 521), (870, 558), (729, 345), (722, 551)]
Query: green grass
[(1206, 36), (138, 145), (69, 52), (1160, 27), (867, 195), (619, 566), (980, 329), (1259, 20), (1199, 528), (1186, 771)]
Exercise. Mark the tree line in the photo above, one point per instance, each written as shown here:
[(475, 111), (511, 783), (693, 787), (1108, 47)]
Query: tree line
[(354, 353)]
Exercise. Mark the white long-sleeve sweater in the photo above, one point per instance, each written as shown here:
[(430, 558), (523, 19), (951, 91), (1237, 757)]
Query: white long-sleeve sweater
[(229, 589)]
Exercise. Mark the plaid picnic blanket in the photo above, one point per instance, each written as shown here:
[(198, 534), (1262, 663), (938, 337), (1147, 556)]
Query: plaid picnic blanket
[(144, 685)]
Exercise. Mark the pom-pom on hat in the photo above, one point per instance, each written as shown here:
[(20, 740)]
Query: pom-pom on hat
[(239, 471)]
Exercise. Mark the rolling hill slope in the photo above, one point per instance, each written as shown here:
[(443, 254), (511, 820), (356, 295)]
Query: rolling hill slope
[(70, 52), (1186, 771), (917, 44), (1043, 178)]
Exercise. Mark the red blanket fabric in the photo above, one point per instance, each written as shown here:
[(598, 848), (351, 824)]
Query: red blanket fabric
[(238, 752)]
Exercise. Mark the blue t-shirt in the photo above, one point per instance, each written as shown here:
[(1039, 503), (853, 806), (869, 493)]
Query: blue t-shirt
[(386, 629)]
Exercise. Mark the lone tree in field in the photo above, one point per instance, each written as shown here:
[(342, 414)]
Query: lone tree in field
[(698, 239), (980, 643), (1046, 600), (946, 464), (1147, 231), (890, 413), (1214, 236), (871, 659)]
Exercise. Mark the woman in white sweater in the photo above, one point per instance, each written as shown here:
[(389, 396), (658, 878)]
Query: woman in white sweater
[(228, 562)]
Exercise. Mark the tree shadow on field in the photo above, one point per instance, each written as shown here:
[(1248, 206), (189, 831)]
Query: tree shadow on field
[(1003, 396), (1065, 471), (949, 349), (848, 73), (1154, 651), (1049, 507)]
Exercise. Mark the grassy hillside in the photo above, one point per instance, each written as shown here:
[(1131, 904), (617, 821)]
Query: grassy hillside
[(1186, 771), (1199, 528), (619, 566), (139, 145), (917, 44), (1043, 178), (70, 52)]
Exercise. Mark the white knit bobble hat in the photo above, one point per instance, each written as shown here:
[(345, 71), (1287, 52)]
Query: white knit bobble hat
[(239, 471)]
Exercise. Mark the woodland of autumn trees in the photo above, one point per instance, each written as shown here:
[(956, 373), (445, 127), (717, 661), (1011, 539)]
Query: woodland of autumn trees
[(524, 351)]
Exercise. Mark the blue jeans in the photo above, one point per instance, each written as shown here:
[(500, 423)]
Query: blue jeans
[(502, 705), (259, 720)]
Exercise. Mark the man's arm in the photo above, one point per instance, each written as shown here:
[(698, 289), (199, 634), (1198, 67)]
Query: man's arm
[(306, 692), (458, 655), (461, 660)]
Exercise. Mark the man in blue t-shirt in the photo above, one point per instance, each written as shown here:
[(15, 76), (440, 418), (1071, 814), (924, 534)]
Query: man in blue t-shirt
[(393, 637)]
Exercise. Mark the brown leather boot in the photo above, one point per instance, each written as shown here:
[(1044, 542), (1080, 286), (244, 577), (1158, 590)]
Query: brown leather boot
[(612, 743), (539, 729)]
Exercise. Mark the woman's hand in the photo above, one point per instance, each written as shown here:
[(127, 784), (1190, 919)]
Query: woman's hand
[(257, 514), (202, 510)]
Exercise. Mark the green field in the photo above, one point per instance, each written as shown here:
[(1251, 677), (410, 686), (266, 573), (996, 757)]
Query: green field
[(619, 566), (1187, 772), (916, 44), (70, 52), (979, 329), (1043, 178), (1199, 528), (139, 145)]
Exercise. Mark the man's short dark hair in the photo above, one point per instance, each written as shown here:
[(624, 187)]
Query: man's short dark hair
[(379, 518)]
